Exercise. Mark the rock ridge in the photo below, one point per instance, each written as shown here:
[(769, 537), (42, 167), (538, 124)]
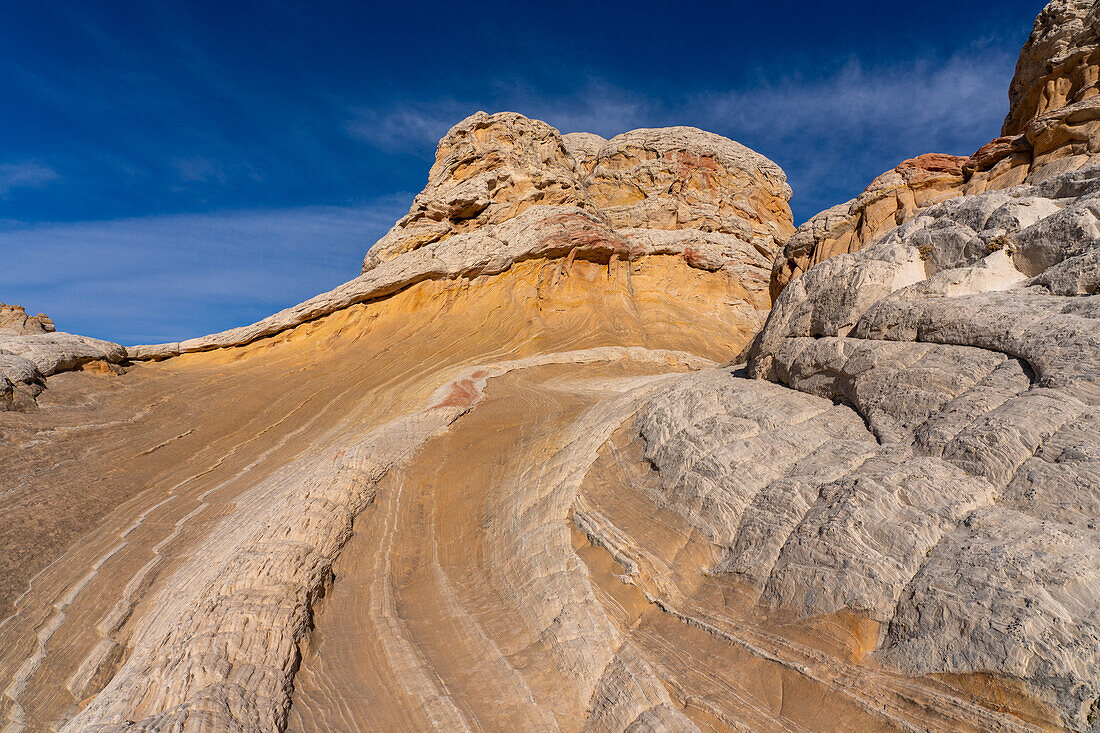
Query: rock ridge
[(497, 481), (1053, 126)]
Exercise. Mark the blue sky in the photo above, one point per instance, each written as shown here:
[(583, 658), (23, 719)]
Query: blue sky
[(173, 169)]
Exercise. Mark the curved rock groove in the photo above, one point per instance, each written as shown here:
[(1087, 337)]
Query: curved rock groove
[(497, 483)]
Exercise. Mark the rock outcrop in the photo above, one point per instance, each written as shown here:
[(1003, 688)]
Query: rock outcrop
[(491, 168), (529, 278), (1059, 65), (505, 189), (31, 350), (968, 339), (500, 481), (15, 318), (1053, 126), (891, 199)]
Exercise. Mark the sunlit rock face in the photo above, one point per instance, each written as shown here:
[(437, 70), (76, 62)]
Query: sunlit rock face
[(550, 463), (1059, 65), (1053, 126), (491, 168), (222, 478), (968, 340), (31, 349), (889, 200)]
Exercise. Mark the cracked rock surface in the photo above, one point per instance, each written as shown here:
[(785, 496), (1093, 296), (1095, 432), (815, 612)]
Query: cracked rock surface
[(556, 461)]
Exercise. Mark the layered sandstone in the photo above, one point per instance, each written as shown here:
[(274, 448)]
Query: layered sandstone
[(31, 349), (968, 341), (340, 393), (1058, 66), (1053, 126), (505, 189), (499, 481), (491, 168), (888, 201), (15, 318)]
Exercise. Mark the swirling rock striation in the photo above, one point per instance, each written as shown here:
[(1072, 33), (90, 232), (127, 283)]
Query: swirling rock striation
[(498, 481)]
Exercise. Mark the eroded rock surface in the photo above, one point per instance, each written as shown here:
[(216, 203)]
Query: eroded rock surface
[(31, 350), (1059, 64), (15, 318), (497, 481), (491, 168), (253, 451), (1053, 126), (968, 340)]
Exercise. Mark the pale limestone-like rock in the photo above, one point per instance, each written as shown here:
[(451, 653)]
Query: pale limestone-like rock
[(1062, 141), (1053, 127), (1022, 604), (585, 148), (986, 242), (980, 383), (891, 199), (31, 350)]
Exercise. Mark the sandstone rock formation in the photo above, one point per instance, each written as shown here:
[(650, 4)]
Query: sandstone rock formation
[(15, 318), (31, 350), (1053, 127), (968, 341), (499, 481), (892, 198), (1059, 65), (505, 189), (490, 168)]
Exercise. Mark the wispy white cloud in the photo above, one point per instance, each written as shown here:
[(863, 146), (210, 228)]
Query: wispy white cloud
[(832, 132), (835, 133), (166, 278), (406, 126), (919, 100), (199, 169), (29, 175)]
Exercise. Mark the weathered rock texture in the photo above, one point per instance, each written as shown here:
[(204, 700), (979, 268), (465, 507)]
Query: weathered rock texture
[(1053, 127), (490, 168), (968, 340), (891, 198), (31, 350), (15, 318), (497, 481), (252, 452), (1059, 64)]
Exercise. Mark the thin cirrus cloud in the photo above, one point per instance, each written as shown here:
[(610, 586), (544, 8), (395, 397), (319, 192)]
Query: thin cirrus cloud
[(832, 134), (835, 134), (25, 175), (233, 143), (199, 169), (412, 127), (166, 278), (919, 99)]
